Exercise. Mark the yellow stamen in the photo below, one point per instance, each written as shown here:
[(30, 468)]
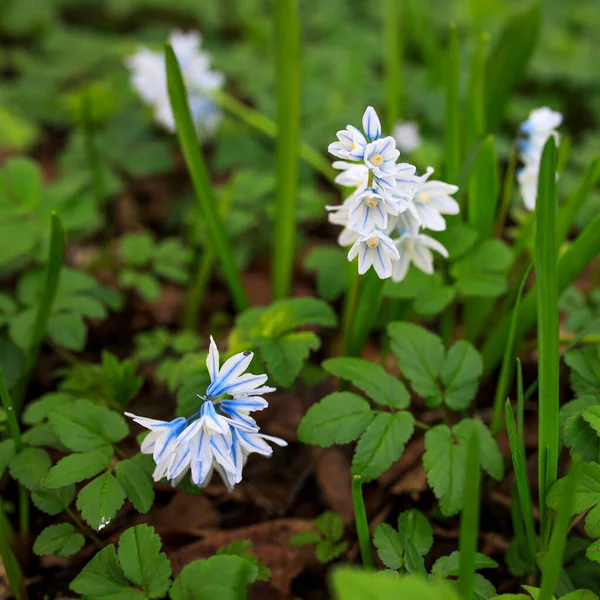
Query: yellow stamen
[(373, 242), (377, 160), (371, 201)]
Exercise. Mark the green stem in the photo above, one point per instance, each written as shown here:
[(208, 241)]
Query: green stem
[(392, 60), (12, 568), (287, 55), (91, 151), (349, 311), (362, 525), (15, 433), (188, 140), (262, 123), (507, 190), (452, 114), (85, 530)]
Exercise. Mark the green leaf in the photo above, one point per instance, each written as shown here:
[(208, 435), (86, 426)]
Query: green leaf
[(483, 189), (59, 540), (82, 425), (143, 562), (136, 482), (103, 577), (29, 467), (508, 61), (390, 546), (330, 264), (285, 356), (337, 419), (592, 416), (100, 500), (75, 468), (420, 356), (485, 285), (490, 457), (585, 370), (305, 538), (37, 411), (291, 313), (593, 551), (331, 525), (354, 584), (327, 551), (42, 435), (55, 501), (137, 249), (382, 444), (221, 576), (448, 566), (68, 330), (243, 548), (580, 595), (413, 525), (577, 432), (372, 379), (460, 375)]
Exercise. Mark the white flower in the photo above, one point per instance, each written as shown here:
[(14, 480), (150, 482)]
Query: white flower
[(416, 249), (339, 215), (540, 125), (148, 78), (406, 134), (221, 436), (432, 199), (351, 142), (352, 175), (370, 209), (380, 157), (375, 250)]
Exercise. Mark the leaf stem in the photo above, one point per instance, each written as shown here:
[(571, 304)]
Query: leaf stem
[(87, 531), (362, 525)]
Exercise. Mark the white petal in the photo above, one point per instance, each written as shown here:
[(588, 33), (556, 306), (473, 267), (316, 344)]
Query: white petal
[(212, 360), (382, 263), (222, 452), (371, 124), (401, 266), (229, 373), (433, 244), (422, 259), (147, 445)]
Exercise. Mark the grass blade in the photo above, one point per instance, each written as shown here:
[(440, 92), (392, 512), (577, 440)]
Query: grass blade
[(268, 127), (287, 52), (91, 151), (507, 190), (188, 140), (546, 255), (552, 562), (570, 265), (469, 521), (452, 119), (568, 211), (53, 268), (14, 574), (392, 60), (474, 125), (508, 60), (483, 189), (507, 361), (522, 480)]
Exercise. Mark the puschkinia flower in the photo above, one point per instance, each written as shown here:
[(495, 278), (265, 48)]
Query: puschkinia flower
[(149, 79), (541, 124), (221, 435), (407, 136), (383, 217)]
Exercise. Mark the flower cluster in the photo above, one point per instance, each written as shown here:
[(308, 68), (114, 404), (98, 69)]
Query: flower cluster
[(149, 79), (540, 125), (221, 435), (389, 200)]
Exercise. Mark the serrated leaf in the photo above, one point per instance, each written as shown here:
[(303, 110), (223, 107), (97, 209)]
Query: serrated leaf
[(68, 330), (42, 435), (460, 375), (337, 419), (37, 411), (291, 313), (58, 540), (448, 566), (305, 538), (577, 432), (220, 576), (420, 356), (390, 546), (143, 562), (103, 577), (413, 525), (372, 379), (490, 457), (285, 356), (592, 416), (55, 501), (136, 482), (585, 370), (382, 444), (137, 248), (100, 500), (83, 425), (483, 589), (580, 595), (75, 468), (327, 551), (593, 551), (29, 467), (331, 525), (330, 264)]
